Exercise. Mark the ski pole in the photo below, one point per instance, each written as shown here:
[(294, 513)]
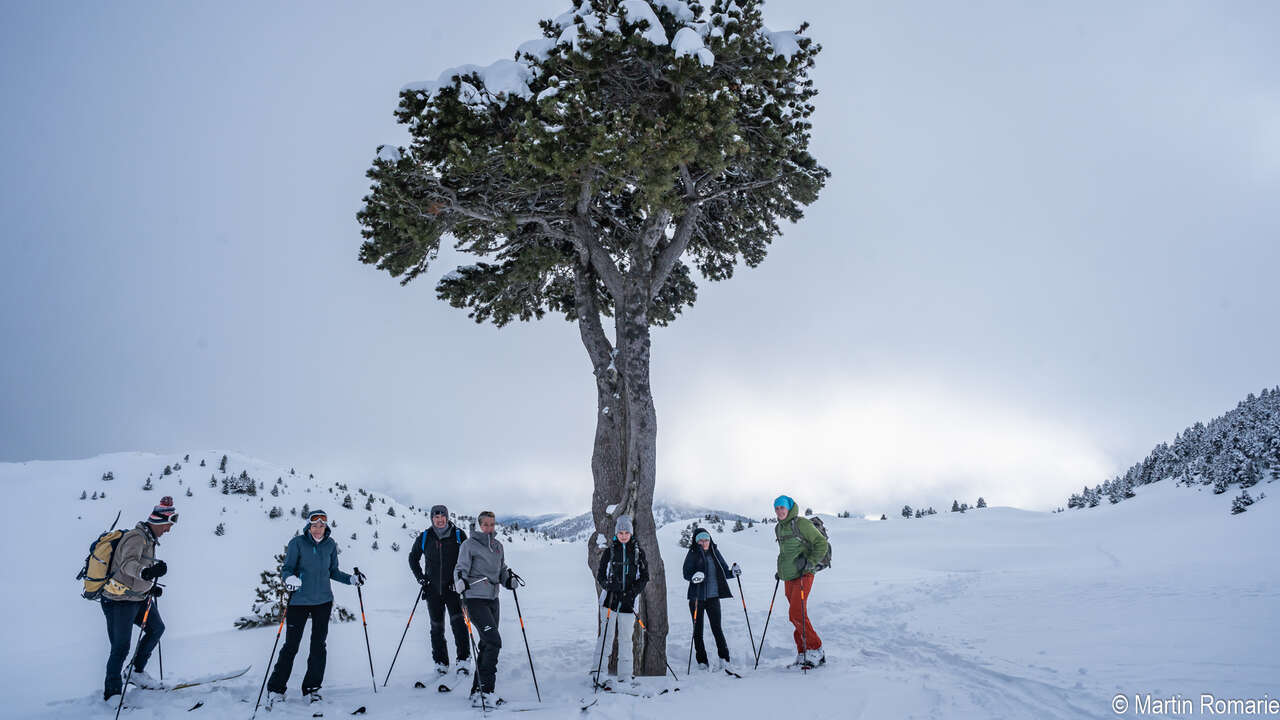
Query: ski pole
[(804, 622), (368, 649), (760, 648), (747, 616), (284, 611), (160, 649), (475, 659), (694, 636), (645, 630), (146, 613), (604, 637), (526, 637), (417, 598)]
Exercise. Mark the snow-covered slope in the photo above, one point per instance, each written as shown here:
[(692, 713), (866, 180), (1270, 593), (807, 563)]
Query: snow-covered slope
[(997, 613)]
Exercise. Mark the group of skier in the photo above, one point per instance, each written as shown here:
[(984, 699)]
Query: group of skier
[(460, 576), (623, 573)]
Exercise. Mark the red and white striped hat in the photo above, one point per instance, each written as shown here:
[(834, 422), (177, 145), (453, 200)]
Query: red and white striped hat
[(164, 513)]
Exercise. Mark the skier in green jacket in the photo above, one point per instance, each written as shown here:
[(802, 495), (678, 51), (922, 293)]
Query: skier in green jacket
[(800, 548)]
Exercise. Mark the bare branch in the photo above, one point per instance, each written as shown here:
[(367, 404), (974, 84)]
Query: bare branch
[(703, 199), (671, 253), (590, 328), (589, 247)]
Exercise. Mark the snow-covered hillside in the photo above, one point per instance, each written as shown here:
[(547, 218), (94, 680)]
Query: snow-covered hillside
[(996, 613)]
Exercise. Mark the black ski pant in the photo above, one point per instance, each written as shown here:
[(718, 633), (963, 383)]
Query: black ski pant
[(122, 616), (710, 609), (294, 621), (436, 605), (484, 618)]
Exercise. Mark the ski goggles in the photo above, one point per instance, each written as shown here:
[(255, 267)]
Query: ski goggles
[(322, 519)]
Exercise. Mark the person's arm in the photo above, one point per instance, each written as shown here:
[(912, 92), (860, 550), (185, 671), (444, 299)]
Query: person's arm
[(415, 559), (504, 572), (817, 543), (462, 570), (643, 566), (690, 564), (602, 576), (290, 565), (130, 566), (334, 572), (728, 568)]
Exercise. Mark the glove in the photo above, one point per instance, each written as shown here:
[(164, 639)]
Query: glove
[(155, 571), (699, 577), (513, 580), (776, 576), (292, 583), (460, 586), (357, 578), (156, 591), (423, 581), (735, 570)]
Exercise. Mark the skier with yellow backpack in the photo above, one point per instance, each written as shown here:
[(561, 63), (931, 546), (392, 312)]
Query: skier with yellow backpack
[(121, 572)]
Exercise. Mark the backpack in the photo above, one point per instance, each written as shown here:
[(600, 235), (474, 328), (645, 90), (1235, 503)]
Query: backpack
[(825, 562), (97, 566), (457, 537)]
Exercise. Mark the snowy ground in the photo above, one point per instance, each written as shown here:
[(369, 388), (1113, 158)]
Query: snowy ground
[(997, 613)]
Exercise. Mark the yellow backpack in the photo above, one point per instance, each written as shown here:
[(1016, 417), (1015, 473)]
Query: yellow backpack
[(97, 566)]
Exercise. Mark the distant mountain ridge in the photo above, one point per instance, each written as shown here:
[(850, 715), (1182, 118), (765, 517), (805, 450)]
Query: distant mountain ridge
[(579, 527)]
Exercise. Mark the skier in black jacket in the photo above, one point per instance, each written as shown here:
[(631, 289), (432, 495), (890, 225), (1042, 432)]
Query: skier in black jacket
[(439, 545), (708, 575), (622, 573)]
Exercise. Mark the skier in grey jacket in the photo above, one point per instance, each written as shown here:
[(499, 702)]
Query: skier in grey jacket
[(310, 563), (481, 569), (132, 578)]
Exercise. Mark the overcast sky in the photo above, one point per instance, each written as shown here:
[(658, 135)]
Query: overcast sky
[(1050, 241)]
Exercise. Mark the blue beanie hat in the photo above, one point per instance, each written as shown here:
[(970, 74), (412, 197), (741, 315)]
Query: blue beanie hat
[(784, 501), (702, 534)]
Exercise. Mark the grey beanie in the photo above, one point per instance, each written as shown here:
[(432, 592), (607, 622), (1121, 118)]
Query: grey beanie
[(439, 510), (623, 524)]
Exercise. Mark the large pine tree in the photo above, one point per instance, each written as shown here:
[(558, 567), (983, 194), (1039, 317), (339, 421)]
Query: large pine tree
[(631, 144)]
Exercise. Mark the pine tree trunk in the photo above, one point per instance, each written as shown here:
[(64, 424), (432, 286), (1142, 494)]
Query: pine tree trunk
[(624, 455), (641, 446), (608, 450)]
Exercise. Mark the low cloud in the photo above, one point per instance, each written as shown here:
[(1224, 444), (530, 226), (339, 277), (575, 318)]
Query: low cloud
[(868, 446)]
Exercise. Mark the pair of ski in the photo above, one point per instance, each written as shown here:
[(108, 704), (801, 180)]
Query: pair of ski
[(586, 704), (460, 674), (807, 666), (444, 687), (205, 680)]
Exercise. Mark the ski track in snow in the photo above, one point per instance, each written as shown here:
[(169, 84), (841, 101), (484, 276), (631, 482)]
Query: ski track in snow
[(997, 613)]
